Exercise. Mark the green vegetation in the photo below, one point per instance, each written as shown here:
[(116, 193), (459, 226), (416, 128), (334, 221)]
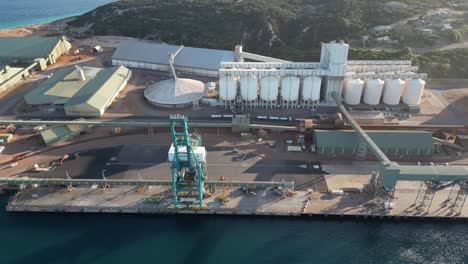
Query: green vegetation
[(295, 24), (289, 29)]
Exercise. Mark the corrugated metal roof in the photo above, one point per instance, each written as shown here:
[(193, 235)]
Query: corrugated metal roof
[(39, 95), (434, 171), (138, 51), (59, 133), (385, 139), (64, 84), (26, 47), (96, 94)]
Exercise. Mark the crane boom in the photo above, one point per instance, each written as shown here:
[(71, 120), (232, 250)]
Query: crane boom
[(187, 171), (172, 59)]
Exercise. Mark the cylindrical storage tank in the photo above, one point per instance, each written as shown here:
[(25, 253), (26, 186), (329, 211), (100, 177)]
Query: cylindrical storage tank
[(353, 91), (373, 91), (413, 92), (249, 88), (290, 88), (227, 88), (393, 91), (269, 88), (311, 88)]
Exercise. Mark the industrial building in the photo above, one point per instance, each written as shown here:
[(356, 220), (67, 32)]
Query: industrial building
[(10, 76), (308, 84), (392, 143), (41, 50), (19, 57), (176, 92), (85, 92), (152, 56), (60, 133)]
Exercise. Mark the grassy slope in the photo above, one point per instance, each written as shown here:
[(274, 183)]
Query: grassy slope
[(290, 29)]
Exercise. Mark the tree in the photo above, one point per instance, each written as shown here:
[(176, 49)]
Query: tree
[(455, 36)]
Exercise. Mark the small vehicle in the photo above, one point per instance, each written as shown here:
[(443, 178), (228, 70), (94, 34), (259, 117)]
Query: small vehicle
[(152, 200)]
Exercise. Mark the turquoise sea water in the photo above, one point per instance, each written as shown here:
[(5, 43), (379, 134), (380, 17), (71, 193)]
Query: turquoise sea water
[(91, 238), (15, 13)]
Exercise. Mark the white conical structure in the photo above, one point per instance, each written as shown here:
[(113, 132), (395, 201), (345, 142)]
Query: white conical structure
[(178, 92)]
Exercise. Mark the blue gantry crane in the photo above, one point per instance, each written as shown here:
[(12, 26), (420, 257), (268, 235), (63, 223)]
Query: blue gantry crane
[(187, 170)]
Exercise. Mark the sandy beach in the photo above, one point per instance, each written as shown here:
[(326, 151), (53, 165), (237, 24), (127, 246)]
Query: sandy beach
[(42, 29)]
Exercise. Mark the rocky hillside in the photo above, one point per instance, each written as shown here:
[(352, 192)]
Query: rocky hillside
[(286, 28)]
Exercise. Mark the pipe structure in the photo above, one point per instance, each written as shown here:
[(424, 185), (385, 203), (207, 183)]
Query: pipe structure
[(140, 124), (256, 57), (273, 127), (107, 123), (448, 144), (55, 181), (374, 148)]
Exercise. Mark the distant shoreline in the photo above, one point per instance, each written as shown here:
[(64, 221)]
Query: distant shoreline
[(42, 21), (38, 29)]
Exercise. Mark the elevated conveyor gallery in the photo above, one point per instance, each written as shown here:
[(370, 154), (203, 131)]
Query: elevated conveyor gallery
[(390, 172)]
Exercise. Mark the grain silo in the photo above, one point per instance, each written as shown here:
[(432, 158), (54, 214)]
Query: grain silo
[(373, 91), (413, 91), (353, 91), (269, 88), (393, 91), (290, 91), (227, 89), (311, 90), (249, 90)]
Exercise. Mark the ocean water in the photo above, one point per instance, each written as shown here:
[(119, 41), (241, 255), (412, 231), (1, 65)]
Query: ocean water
[(15, 13), (92, 238)]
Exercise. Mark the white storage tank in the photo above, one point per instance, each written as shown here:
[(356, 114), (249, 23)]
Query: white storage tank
[(290, 88), (311, 88), (353, 91), (393, 91), (227, 88), (373, 91), (249, 87), (269, 88), (413, 91)]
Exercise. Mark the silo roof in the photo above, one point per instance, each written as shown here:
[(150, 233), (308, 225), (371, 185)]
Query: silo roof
[(173, 92), (138, 51)]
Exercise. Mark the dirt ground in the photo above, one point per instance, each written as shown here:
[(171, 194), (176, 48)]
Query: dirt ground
[(458, 97)]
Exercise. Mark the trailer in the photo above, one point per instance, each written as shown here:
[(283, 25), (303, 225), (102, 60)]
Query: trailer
[(294, 148)]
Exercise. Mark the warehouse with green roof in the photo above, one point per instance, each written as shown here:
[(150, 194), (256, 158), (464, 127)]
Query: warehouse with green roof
[(80, 91), (392, 143), (25, 50), (20, 56)]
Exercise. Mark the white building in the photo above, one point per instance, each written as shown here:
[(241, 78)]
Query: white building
[(152, 56)]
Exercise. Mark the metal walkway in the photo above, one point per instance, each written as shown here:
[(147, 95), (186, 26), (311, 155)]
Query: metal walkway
[(55, 181)]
